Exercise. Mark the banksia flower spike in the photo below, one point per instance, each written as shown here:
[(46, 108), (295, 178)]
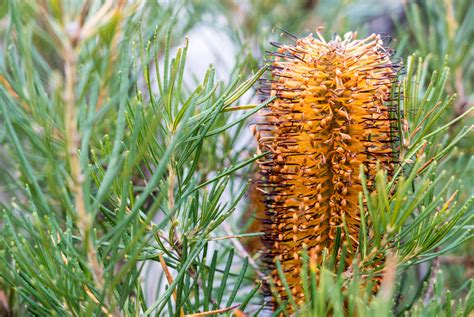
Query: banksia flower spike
[(331, 115)]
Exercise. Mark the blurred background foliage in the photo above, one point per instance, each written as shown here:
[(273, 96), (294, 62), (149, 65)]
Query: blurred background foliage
[(125, 155)]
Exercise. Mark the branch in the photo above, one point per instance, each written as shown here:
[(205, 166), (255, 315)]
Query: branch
[(170, 280), (242, 252), (73, 141), (213, 312)]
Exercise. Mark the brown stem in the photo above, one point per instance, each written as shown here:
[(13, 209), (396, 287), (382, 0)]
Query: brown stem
[(213, 312), (431, 282), (170, 280), (73, 142)]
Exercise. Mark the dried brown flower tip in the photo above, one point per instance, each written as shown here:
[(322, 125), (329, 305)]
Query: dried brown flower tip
[(332, 114)]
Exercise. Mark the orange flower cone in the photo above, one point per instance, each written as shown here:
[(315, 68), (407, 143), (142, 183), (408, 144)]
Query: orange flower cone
[(332, 114)]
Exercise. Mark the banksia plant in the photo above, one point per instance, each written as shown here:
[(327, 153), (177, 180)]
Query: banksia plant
[(125, 161), (330, 119)]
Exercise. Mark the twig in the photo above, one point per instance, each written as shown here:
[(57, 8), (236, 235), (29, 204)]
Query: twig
[(171, 188), (388, 281), (432, 280), (462, 102), (4, 307), (170, 280), (213, 312), (73, 142), (244, 235), (242, 252), (95, 300), (243, 107)]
